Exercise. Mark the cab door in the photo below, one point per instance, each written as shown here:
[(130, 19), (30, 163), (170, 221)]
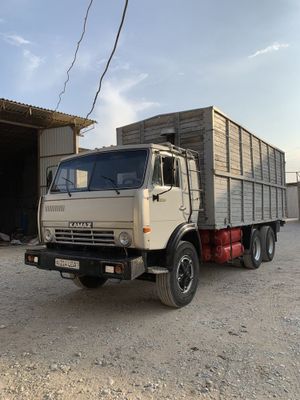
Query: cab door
[(168, 207)]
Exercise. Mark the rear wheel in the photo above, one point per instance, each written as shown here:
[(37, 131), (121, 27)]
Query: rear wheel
[(89, 282), (268, 243), (253, 256), (178, 287)]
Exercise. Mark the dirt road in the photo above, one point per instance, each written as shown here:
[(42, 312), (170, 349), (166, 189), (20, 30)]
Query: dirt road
[(240, 337)]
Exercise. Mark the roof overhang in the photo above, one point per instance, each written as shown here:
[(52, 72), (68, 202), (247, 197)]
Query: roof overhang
[(14, 113)]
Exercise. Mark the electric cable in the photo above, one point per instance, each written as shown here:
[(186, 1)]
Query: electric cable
[(109, 60), (75, 56)]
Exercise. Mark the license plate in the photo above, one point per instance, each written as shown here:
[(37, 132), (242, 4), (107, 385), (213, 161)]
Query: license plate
[(72, 264)]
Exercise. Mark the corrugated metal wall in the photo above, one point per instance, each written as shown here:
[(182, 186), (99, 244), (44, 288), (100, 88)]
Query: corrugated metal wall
[(54, 144)]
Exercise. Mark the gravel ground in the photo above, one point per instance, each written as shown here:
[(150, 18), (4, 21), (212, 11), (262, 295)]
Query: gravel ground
[(239, 338)]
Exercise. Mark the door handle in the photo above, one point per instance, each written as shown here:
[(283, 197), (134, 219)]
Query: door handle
[(182, 208)]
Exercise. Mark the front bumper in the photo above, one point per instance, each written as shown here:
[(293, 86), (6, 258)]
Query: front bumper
[(88, 263)]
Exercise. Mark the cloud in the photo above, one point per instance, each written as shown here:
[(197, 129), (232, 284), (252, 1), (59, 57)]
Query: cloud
[(2, 21), (269, 49), (85, 61), (29, 62), (121, 66), (16, 40), (35, 67), (115, 67), (32, 62), (116, 109), (127, 84)]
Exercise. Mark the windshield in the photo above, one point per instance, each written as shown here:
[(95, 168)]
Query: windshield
[(113, 170)]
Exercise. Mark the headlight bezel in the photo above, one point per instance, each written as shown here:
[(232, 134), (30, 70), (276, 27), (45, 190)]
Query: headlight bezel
[(125, 239), (48, 235)]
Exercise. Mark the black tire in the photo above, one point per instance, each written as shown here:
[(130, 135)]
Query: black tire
[(253, 256), (89, 282), (178, 287), (268, 243)]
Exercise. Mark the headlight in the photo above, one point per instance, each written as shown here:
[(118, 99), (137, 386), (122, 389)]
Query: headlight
[(125, 239), (48, 235)]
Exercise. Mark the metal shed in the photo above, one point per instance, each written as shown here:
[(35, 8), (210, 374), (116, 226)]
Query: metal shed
[(293, 199), (32, 140)]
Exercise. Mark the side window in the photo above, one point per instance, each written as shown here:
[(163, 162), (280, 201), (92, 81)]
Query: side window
[(170, 171), (50, 173), (176, 173), (167, 164), (157, 178)]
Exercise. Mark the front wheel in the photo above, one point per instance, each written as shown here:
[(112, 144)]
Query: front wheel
[(178, 287), (89, 282)]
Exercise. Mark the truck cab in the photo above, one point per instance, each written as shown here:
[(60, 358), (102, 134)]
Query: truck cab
[(124, 212)]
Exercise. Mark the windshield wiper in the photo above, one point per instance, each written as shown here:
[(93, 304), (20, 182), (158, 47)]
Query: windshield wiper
[(112, 181), (67, 186)]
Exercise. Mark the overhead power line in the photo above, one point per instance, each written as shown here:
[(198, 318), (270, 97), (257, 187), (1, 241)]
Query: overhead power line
[(109, 60), (75, 56)]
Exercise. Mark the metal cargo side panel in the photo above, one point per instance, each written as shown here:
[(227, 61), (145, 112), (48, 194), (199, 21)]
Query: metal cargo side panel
[(54, 144), (280, 203), (249, 176)]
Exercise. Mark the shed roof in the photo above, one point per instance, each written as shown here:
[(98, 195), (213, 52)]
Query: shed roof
[(16, 113)]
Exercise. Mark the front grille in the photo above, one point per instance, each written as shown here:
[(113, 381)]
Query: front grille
[(83, 236)]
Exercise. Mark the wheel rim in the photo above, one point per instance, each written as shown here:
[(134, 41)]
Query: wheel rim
[(185, 273), (256, 249), (270, 244)]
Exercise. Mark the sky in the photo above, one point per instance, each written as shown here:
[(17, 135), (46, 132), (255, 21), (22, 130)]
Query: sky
[(241, 56)]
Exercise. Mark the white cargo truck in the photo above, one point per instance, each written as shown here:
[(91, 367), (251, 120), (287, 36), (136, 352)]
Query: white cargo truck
[(177, 190)]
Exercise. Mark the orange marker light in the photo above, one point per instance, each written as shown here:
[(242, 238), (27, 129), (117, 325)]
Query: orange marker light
[(146, 229)]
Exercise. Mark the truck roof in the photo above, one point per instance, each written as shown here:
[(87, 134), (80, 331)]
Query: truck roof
[(163, 146)]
